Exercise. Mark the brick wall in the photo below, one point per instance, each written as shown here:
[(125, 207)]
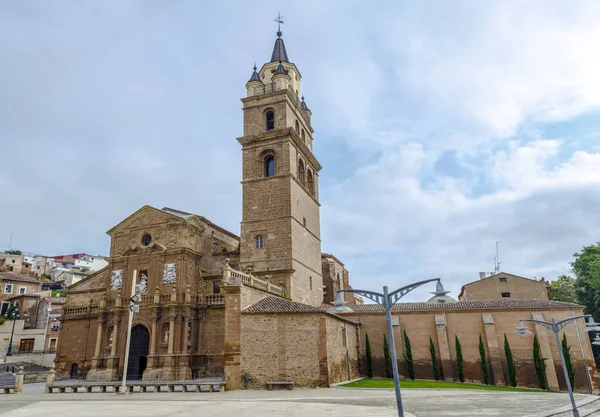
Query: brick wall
[(468, 325)]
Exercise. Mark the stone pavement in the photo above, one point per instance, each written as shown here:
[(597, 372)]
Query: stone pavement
[(333, 402)]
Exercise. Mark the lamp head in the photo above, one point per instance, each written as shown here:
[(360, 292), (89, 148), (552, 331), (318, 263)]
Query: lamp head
[(596, 340), (339, 305), (522, 329), (592, 326)]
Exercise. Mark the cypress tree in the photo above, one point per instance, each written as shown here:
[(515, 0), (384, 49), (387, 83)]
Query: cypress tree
[(539, 363), (434, 362), (369, 357), (483, 362), (386, 356), (567, 354), (510, 363), (459, 360), (410, 366)]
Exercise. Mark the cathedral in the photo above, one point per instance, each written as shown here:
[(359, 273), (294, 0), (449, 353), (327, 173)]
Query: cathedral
[(253, 308)]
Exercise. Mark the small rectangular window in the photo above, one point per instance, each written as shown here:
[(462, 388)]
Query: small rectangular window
[(502, 279), (22, 290), (259, 243), (8, 289), (505, 295), (216, 288)]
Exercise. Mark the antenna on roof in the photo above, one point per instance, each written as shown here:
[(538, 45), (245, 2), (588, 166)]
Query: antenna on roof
[(10, 240), (497, 260)]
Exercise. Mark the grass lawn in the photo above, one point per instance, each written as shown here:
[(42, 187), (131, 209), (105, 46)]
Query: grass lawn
[(389, 383)]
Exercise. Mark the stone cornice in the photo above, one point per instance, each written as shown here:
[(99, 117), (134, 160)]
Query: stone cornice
[(290, 132)]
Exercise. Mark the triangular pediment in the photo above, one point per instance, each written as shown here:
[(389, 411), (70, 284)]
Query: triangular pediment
[(147, 216), (95, 281)]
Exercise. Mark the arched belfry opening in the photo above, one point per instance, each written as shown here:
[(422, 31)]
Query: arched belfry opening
[(138, 352)]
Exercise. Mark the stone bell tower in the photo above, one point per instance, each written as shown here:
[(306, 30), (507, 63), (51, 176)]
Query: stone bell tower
[(280, 229)]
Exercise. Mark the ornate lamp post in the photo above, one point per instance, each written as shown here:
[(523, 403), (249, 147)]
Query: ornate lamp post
[(387, 301), (555, 328)]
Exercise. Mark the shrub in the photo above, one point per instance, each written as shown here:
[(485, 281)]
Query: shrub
[(510, 363), (410, 366), (459, 360)]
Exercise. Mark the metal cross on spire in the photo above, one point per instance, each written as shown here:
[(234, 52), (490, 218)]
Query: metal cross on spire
[(279, 20)]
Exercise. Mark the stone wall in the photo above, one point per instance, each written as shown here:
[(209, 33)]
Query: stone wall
[(306, 348), (342, 350)]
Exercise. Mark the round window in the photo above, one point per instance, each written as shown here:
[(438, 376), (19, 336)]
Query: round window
[(146, 239)]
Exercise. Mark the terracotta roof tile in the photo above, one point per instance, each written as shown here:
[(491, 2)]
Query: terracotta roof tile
[(514, 304), (280, 305)]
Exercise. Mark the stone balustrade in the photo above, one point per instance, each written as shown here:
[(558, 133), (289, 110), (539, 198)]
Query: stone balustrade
[(235, 277)]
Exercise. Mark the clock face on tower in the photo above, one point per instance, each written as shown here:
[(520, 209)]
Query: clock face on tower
[(146, 240)]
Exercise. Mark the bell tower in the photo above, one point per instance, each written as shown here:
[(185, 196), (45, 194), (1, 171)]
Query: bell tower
[(280, 229)]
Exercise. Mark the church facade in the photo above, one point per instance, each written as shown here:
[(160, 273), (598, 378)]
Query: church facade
[(254, 307)]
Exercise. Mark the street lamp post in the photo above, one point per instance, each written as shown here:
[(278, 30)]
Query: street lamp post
[(387, 301), (556, 327), (14, 317)]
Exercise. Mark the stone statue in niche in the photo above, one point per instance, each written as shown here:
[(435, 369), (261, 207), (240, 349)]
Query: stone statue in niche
[(144, 282), (116, 279), (169, 274)]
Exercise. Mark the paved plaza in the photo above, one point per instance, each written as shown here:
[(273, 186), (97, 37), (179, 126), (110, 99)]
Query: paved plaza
[(333, 402)]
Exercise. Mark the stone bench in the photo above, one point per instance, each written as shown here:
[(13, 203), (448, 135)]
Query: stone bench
[(157, 386), (8, 381), (288, 384)]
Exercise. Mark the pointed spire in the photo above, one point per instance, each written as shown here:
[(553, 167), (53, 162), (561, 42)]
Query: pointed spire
[(303, 105), (280, 69), (255, 76), (279, 52)]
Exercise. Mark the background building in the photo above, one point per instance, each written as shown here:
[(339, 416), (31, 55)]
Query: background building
[(503, 285)]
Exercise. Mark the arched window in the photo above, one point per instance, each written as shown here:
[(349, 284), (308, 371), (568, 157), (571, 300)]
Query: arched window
[(310, 183), (269, 165), (270, 118), (301, 171), (297, 126), (74, 371), (303, 137), (259, 242)]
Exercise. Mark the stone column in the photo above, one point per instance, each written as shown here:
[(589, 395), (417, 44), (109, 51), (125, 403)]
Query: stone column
[(171, 332), (494, 351), (542, 334), (113, 362), (97, 359), (232, 352), (19, 380), (444, 347)]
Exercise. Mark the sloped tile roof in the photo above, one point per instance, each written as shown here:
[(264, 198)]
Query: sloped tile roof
[(514, 304), (280, 305)]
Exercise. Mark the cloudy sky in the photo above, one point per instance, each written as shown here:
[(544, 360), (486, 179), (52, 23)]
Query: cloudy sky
[(442, 127)]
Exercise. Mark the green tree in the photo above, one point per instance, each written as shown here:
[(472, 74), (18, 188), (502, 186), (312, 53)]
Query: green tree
[(539, 363), (410, 366), (386, 357), (567, 354), (434, 361), (563, 289), (459, 360), (369, 357), (13, 252), (483, 362), (510, 363), (586, 268)]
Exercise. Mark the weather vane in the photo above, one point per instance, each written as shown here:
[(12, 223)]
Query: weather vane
[(279, 20)]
